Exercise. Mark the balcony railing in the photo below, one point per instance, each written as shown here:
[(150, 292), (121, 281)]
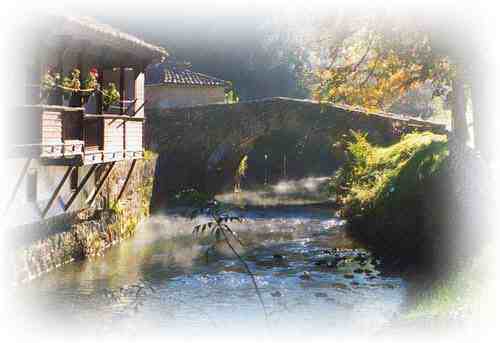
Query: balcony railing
[(64, 135)]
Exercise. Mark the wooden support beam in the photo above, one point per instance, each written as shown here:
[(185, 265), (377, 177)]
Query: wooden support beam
[(140, 108), (103, 63), (56, 191), (82, 47), (90, 201), (126, 180), (18, 184), (80, 187), (62, 45)]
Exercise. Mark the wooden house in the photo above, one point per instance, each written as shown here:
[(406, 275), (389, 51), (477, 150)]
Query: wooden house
[(66, 132)]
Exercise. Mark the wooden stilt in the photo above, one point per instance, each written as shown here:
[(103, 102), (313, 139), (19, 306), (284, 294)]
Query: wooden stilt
[(80, 187), (126, 180), (99, 171), (90, 201), (18, 184), (56, 191)]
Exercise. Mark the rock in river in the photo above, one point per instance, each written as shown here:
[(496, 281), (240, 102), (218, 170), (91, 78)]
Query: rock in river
[(305, 276), (276, 294), (339, 285), (320, 295)]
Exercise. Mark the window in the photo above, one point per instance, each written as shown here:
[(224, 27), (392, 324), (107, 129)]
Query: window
[(31, 185), (74, 179)]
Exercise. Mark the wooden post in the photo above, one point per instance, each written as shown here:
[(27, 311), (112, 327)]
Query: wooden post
[(98, 94), (122, 106), (102, 64), (61, 49), (124, 139), (18, 184), (79, 65), (126, 180), (57, 190), (90, 201), (80, 187), (122, 89)]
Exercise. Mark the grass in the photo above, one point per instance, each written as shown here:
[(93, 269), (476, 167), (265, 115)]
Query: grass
[(375, 175)]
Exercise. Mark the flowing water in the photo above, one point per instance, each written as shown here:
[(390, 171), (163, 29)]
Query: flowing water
[(312, 277)]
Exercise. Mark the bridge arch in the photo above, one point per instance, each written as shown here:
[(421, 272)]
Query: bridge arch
[(200, 147)]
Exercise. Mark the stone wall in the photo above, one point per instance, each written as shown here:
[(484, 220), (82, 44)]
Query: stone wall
[(44, 246)]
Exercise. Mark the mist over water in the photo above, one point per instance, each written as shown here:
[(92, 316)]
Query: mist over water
[(199, 288), (306, 191)]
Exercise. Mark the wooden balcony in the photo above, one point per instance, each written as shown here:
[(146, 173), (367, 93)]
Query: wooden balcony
[(59, 135)]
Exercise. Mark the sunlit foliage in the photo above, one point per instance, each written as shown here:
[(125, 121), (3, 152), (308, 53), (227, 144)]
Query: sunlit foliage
[(376, 66), (374, 175)]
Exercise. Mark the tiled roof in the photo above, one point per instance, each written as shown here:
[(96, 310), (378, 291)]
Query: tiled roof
[(180, 74)]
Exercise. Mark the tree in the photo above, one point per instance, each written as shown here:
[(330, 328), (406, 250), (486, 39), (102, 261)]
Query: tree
[(381, 60)]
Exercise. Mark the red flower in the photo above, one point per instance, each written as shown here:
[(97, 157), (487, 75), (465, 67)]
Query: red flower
[(94, 72)]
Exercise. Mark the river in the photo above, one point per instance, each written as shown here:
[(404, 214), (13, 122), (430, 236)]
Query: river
[(313, 278)]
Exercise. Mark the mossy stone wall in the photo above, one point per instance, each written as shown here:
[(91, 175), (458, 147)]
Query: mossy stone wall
[(54, 242)]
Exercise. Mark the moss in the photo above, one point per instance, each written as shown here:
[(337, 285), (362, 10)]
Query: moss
[(146, 192)]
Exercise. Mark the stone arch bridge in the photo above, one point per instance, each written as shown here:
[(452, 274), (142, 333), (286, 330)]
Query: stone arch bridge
[(200, 147)]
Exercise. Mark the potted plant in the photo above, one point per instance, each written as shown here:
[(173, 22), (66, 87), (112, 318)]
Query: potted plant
[(71, 88), (110, 95), (90, 84), (49, 87)]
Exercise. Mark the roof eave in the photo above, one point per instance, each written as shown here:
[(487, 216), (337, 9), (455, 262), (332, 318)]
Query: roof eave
[(103, 34)]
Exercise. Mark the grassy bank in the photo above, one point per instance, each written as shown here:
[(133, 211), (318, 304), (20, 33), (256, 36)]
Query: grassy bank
[(374, 177), (417, 208), (384, 192)]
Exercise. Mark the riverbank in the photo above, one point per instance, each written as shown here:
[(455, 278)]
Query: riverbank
[(418, 205), (415, 203)]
